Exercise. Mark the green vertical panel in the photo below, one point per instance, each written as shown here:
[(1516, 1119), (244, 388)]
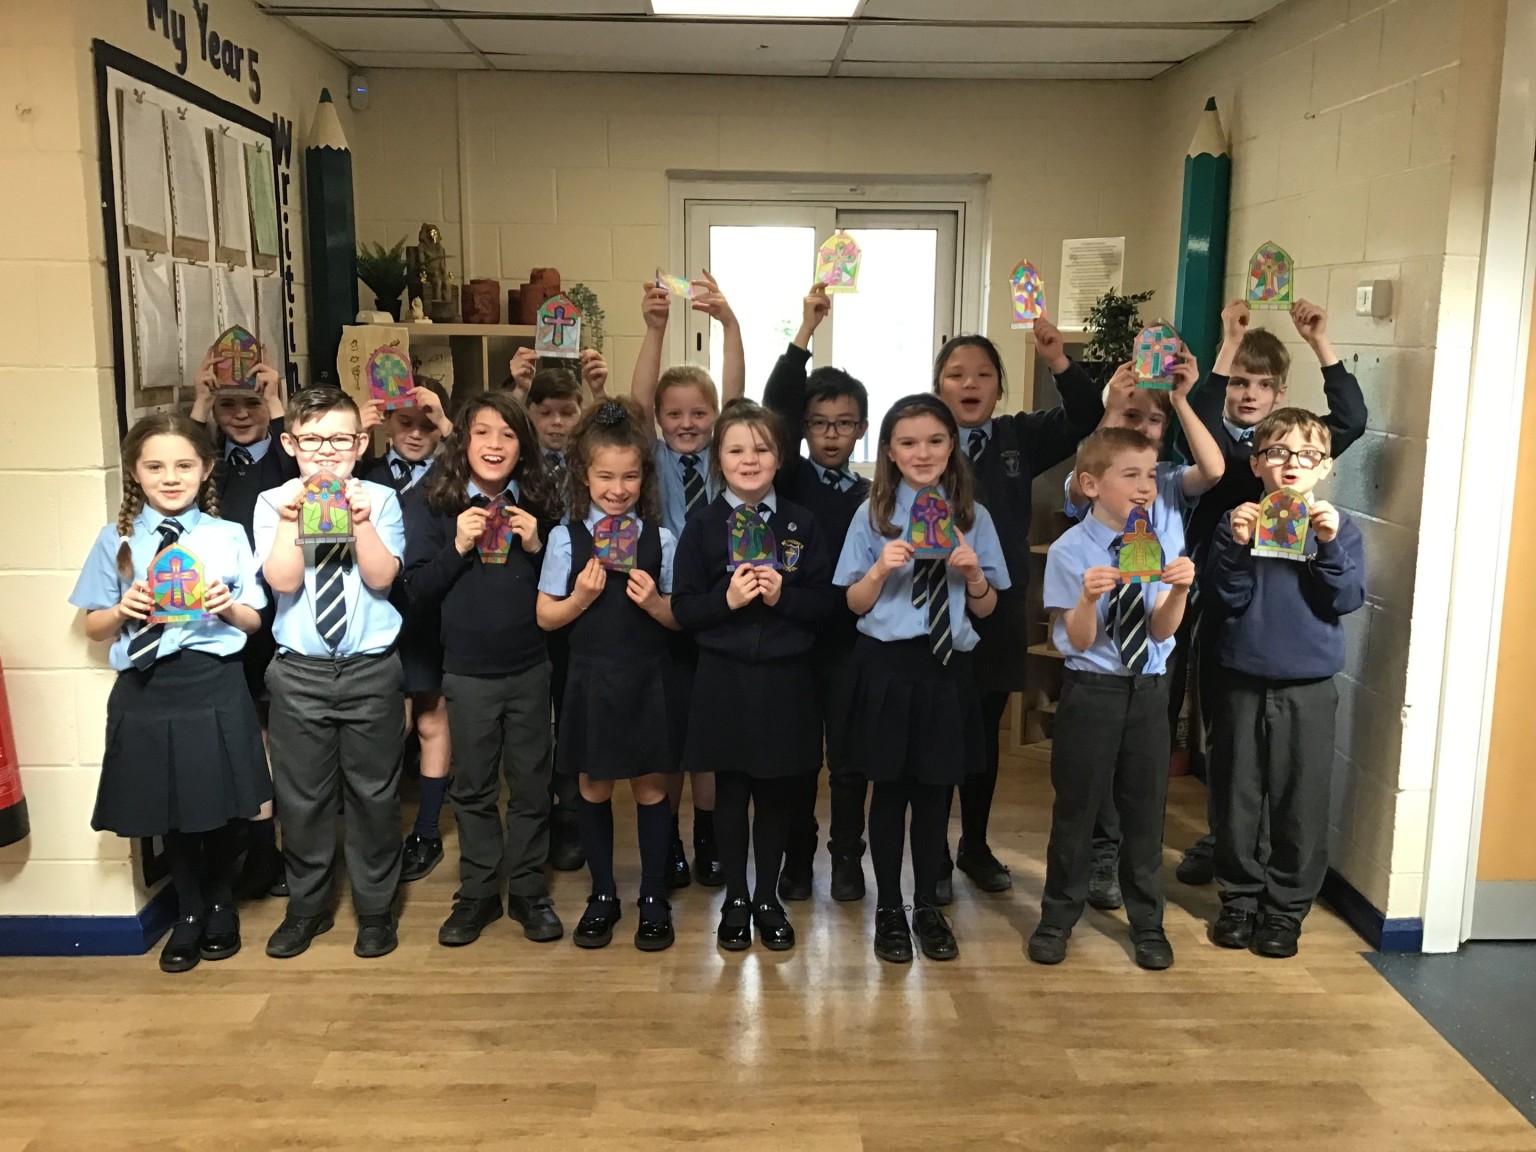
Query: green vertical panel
[(1203, 254), (332, 268)]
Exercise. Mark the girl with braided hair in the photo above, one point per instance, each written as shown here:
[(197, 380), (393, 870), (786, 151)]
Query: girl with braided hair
[(184, 757)]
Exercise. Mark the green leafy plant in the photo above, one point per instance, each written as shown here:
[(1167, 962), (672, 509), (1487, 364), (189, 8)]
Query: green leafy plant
[(591, 315), (1114, 321), (383, 270)]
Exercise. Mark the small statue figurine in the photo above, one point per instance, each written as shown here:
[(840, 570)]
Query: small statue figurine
[(417, 315), (434, 287)]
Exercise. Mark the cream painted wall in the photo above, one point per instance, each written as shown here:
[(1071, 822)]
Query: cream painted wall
[(60, 479), (1370, 159)]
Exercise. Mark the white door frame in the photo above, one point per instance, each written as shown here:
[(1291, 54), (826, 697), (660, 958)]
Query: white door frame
[(1481, 501)]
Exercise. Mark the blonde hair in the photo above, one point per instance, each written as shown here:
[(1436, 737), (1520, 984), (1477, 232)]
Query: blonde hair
[(1283, 421), (157, 424), (1096, 454), (688, 376)]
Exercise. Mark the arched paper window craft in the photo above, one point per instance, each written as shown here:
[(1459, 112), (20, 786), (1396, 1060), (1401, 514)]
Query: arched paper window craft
[(235, 356), (177, 585), (751, 541), (496, 540), (1157, 350), (1282, 528), (1028, 295), (837, 263), (1141, 552), (677, 285), (616, 542), (558, 332), (389, 379), (931, 528), (1271, 277), (325, 517)]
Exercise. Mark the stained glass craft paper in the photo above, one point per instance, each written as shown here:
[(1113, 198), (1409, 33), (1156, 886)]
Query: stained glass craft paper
[(325, 517), (1028, 295), (1282, 528), (176, 582), (677, 285), (1271, 277), (559, 328), (1157, 351), (389, 379), (235, 356), (837, 263), (496, 540), (931, 529), (1141, 553), (616, 542), (751, 540)]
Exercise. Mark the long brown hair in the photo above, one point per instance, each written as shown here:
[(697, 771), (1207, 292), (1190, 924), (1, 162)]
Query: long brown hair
[(449, 480), (614, 423), (158, 424), (754, 416), (958, 485)]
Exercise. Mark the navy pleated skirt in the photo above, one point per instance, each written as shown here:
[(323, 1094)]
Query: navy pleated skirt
[(911, 717)]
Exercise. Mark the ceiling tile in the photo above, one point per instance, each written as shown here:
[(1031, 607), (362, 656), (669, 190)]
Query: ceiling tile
[(380, 33), (1026, 71), (1095, 45), (1069, 11), (678, 64), (451, 61), (295, 7), (711, 47), (549, 7)]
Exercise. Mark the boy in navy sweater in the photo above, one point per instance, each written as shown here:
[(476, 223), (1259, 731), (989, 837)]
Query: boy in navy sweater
[(1280, 644), (831, 409)]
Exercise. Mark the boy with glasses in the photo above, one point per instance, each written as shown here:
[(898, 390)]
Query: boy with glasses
[(1280, 644)]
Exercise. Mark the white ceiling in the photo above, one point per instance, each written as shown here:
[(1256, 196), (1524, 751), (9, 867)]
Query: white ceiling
[(932, 39)]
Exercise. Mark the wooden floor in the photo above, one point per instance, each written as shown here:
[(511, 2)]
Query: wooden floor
[(513, 1045)]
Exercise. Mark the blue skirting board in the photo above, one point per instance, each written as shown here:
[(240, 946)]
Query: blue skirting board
[(89, 935), (1401, 935)]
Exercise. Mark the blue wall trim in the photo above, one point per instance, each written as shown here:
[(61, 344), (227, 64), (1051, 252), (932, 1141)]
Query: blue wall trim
[(1401, 935), (89, 935)]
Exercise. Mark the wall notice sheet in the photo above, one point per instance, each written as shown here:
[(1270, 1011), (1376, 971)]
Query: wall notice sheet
[(156, 336), (199, 320), (1089, 268), (191, 229), (237, 299), (229, 198), (269, 319), (142, 132)]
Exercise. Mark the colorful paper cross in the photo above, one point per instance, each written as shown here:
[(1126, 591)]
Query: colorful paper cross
[(1141, 552), (837, 263), (325, 516), (496, 540), (390, 380), (616, 542), (235, 356), (931, 527), (177, 586), (1282, 529), (751, 541), (1271, 277), (1028, 295), (559, 328), (1157, 351)]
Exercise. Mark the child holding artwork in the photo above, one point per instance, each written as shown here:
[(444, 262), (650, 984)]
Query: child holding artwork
[(414, 433), (1247, 383), (1280, 644), (683, 403), (1179, 488), (915, 730), (831, 409), (332, 546), (1006, 452), (476, 560), (183, 755), (1115, 621), (608, 579), (753, 585)]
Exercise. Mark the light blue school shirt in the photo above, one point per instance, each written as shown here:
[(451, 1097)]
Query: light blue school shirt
[(893, 617), (556, 574), (846, 478), (226, 556), (257, 450), (1083, 546), (669, 473), (372, 621), (1168, 509), (419, 468)]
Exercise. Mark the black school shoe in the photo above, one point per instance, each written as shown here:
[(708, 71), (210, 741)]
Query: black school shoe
[(1277, 937), (537, 916), (678, 875), (1152, 950), (848, 878), (934, 935), (295, 934), (654, 933), (419, 856), (1198, 866), (181, 953), (795, 881), (1104, 885), (1048, 944), (595, 928), (565, 854), (774, 931), (1233, 928), (467, 920), (985, 870), (221, 934), (893, 939), (735, 931), (375, 936), (261, 875)]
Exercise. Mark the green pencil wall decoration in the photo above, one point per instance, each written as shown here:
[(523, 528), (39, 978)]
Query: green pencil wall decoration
[(1203, 238), (332, 240)]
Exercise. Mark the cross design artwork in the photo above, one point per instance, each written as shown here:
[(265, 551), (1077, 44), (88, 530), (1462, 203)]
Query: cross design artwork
[(1028, 295), (837, 263), (390, 379), (558, 332), (1141, 552), (1157, 351), (751, 541), (177, 586), (324, 516), (616, 543), (496, 540), (931, 526), (1282, 529), (235, 356), (1271, 283)]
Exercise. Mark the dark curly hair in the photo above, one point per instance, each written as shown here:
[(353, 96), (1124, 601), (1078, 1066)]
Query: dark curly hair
[(449, 480), (615, 423)]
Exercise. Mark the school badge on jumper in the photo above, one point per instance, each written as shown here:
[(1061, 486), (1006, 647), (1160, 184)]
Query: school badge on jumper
[(1011, 467), (791, 550)]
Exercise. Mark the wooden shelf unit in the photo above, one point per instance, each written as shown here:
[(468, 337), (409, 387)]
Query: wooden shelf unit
[(474, 368)]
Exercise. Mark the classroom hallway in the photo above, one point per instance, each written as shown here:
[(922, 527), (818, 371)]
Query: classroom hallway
[(508, 1044)]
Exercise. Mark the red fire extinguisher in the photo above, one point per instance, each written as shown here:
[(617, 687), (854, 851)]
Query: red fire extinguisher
[(14, 824)]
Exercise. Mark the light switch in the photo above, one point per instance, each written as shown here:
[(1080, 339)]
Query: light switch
[(1373, 298)]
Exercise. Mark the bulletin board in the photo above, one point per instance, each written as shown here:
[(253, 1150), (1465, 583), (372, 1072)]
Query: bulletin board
[(190, 212)]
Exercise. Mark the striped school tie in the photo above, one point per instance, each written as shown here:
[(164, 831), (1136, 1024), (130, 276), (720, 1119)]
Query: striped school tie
[(240, 459), (1128, 621), (403, 475), (693, 481), (144, 648), (976, 444), (834, 478), (331, 593), (930, 586)]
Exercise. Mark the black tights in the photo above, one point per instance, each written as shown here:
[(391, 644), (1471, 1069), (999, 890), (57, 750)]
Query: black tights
[(771, 802), (977, 791), (201, 865), (887, 829)]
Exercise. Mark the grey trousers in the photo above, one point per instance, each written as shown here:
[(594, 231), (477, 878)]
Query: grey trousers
[(500, 727), (338, 726), (1275, 740)]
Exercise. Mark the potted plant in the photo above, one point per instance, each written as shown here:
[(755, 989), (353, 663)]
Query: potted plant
[(1114, 321), (591, 315), (384, 273)]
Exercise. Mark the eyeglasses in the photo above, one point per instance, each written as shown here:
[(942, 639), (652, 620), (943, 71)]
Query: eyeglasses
[(1278, 455), (341, 442), (821, 427)]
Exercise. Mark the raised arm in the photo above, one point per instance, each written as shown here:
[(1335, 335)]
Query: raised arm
[(733, 375), (1209, 464), (785, 391), (655, 305), (1230, 574)]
